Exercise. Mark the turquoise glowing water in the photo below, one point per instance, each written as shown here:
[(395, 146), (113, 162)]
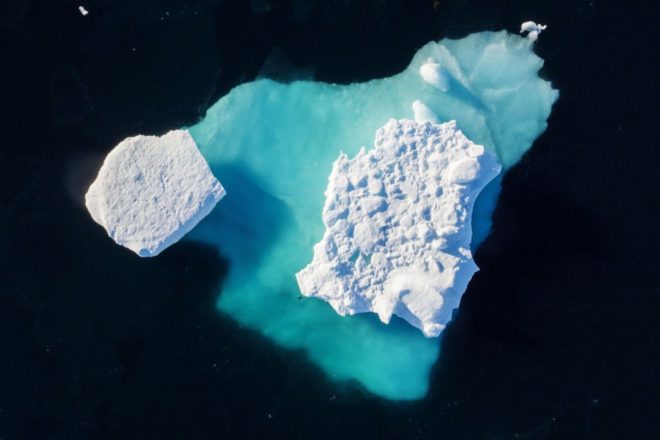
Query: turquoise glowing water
[(272, 146)]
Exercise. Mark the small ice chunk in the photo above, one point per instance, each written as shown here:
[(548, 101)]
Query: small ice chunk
[(434, 74), (406, 250), (532, 29), (83, 11), (152, 190), (423, 113)]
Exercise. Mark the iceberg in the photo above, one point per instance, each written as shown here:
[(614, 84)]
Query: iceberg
[(398, 225), (152, 190), (274, 146)]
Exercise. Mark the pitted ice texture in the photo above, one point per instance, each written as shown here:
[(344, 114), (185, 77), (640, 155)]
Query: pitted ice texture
[(398, 225)]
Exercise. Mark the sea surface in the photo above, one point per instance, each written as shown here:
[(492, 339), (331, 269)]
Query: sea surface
[(556, 336)]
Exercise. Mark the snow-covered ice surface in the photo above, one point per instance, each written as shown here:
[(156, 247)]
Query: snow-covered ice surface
[(152, 190), (274, 144), (398, 225)]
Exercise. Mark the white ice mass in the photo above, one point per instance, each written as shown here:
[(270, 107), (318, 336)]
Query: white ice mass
[(152, 190), (434, 74), (423, 113), (533, 29), (398, 225), (83, 11)]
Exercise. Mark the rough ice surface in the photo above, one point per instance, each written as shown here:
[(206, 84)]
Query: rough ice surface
[(532, 29), (152, 190), (274, 144), (398, 225)]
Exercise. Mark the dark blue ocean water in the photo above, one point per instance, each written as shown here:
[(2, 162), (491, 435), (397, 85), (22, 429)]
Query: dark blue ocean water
[(556, 336)]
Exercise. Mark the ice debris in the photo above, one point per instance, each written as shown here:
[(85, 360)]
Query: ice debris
[(532, 29)]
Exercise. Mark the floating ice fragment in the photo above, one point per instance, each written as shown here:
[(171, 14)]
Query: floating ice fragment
[(419, 226), (533, 29), (83, 11), (152, 190)]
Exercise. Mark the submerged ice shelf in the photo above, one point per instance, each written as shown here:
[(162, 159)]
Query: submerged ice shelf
[(274, 145), (152, 190), (398, 225)]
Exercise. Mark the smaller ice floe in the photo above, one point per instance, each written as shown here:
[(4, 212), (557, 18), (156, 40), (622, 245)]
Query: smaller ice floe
[(434, 74), (532, 29), (398, 225), (83, 11), (152, 190)]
